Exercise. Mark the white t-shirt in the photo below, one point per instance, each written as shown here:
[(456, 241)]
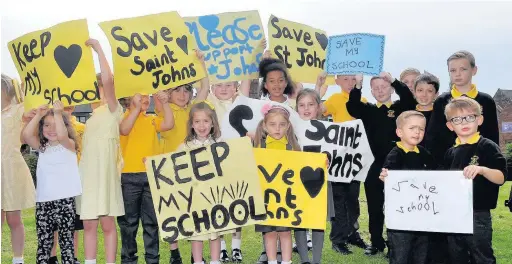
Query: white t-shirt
[(289, 102), (57, 174)]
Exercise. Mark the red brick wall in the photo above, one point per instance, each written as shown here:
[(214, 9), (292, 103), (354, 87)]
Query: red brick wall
[(505, 116)]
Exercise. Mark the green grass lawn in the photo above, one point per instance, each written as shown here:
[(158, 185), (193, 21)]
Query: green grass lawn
[(251, 241)]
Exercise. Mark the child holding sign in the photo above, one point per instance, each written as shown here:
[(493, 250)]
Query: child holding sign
[(100, 167), (17, 186), (276, 132), (380, 122), (408, 246), (203, 130), (139, 140), (308, 107), (58, 180)]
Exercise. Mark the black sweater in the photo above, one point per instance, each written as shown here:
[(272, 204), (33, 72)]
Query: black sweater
[(438, 138), (483, 153), (380, 122), (397, 159)]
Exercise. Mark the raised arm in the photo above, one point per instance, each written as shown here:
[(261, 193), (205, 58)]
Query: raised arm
[(168, 123), (60, 127), (205, 82), (355, 107), (107, 79), (245, 87), (407, 99), (129, 120), (29, 133)]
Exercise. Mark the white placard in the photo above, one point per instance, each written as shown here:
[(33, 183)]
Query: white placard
[(431, 201), (345, 144)]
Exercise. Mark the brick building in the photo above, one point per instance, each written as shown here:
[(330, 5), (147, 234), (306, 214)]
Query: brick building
[(503, 99)]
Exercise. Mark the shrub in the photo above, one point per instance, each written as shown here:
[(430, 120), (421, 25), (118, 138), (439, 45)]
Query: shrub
[(31, 160)]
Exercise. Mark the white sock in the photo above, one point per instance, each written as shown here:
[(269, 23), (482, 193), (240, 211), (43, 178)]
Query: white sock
[(222, 244), (202, 262), (215, 262), (308, 235), (272, 262), (236, 243), (286, 262), (90, 261), (17, 260)]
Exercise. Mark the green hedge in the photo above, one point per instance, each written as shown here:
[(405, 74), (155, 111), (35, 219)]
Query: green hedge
[(31, 160)]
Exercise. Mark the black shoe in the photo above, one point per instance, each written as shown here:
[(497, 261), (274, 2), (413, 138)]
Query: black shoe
[(341, 248), (358, 242), (371, 250), (53, 260), (236, 255), (224, 256), (76, 261), (175, 257), (263, 259), (306, 262)]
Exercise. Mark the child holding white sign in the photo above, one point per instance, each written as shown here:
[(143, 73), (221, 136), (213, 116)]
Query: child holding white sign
[(408, 246), (203, 130), (276, 132), (481, 160)]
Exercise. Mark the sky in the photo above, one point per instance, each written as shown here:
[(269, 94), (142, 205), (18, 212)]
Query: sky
[(418, 34)]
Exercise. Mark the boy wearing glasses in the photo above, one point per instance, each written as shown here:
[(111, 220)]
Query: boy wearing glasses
[(481, 160), (462, 68)]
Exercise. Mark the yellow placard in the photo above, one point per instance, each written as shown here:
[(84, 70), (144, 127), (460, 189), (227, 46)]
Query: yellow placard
[(302, 48), (152, 53), (55, 64), (295, 187), (205, 190), (231, 43)]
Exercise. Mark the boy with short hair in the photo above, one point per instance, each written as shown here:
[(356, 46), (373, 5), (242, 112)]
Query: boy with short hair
[(462, 68), (481, 160), (345, 195), (408, 76), (380, 124), (408, 246), (426, 90)]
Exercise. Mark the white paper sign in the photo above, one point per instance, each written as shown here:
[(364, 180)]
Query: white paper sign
[(431, 201), (345, 144)]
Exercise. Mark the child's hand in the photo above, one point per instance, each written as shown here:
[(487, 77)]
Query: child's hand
[(250, 135), (42, 110), (387, 77), (383, 174), (327, 162), (471, 171), (320, 80), (267, 54), (94, 44), (162, 97), (144, 160), (359, 81), (58, 107), (200, 55), (137, 101), (263, 43), (29, 115)]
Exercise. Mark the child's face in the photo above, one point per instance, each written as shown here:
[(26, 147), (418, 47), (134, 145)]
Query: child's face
[(464, 122), (224, 91), (275, 83), (180, 96), (307, 108), (425, 93), (346, 82), (145, 102), (276, 125), (381, 90), (412, 130), (202, 124), (49, 129), (461, 72), (409, 80)]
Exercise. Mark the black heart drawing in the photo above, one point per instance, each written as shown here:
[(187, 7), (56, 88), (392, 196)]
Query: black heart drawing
[(68, 58), (237, 116), (313, 180), (322, 39), (183, 43)]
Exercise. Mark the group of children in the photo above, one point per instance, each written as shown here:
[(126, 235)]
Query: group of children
[(104, 167)]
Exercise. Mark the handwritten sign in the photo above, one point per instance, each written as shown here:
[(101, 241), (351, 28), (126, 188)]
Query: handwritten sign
[(345, 144), (152, 53), (55, 64), (294, 186), (300, 47), (431, 201), (231, 43), (201, 191), (355, 53)]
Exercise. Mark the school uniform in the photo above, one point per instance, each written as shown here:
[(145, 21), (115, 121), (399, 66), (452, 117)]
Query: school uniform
[(138, 203), (220, 106), (170, 140), (380, 125), (408, 247), (58, 183), (427, 113), (479, 151), (438, 138), (345, 195)]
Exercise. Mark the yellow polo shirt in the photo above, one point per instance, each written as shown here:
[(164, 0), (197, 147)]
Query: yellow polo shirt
[(336, 106), (141, 142), (79, 132), (279, 144), (472, 93)]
